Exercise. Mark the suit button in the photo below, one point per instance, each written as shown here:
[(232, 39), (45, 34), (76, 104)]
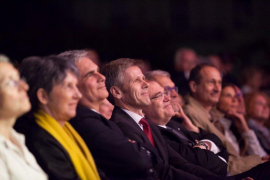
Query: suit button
[(143, 148), (179, 129), (148, 152), (151, 170)]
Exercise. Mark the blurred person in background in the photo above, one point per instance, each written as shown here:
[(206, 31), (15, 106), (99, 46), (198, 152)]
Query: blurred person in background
[(54, 96), (257, 105), (106, 109), (234, 126), (185, 59), (16, 162), (205, 88), (252, 80)]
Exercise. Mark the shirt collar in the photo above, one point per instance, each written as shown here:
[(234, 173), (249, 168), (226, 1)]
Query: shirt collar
[(14, 135), (163, 126), (136, 117), (95, 110)]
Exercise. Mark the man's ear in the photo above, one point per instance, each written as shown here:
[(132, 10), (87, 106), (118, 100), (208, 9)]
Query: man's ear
[(193, 86), (42, 96), (116, 92)]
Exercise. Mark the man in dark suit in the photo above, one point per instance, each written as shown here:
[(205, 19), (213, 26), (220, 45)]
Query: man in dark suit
[(113, 153), (212, 156), (129, 93)]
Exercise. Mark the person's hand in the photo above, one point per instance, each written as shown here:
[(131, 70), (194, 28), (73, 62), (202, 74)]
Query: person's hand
[(239, 120), (132, 141), (198, 145), (186, 121), (265, 158)]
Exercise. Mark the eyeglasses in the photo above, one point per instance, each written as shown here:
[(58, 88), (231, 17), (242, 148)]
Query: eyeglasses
[(15, 83), (170, 89), (161, 95)]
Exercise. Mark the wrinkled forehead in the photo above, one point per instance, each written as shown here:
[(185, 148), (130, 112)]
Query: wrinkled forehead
[(154, 88), (209, 72), (165, 81), (132, 72)]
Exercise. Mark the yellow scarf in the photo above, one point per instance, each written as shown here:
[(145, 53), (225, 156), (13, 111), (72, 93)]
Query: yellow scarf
[(73, 143)]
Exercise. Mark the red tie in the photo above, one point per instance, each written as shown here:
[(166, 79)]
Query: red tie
[(147, 130)]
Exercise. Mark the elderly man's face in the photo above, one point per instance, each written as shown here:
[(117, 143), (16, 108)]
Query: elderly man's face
[(168, 84), (160, 108), (91, 82), (208, 90), (135, 89)]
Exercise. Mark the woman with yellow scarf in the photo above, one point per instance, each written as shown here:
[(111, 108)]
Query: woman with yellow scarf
[(53, 93)]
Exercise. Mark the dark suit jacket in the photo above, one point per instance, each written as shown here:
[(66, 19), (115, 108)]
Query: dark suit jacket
[(169, 164), (203, 158), (49, 153), (113, 153)]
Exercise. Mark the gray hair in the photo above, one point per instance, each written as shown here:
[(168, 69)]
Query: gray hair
[(113, 71), (4, 58), (151, 75), (75, 55), (45, 72)]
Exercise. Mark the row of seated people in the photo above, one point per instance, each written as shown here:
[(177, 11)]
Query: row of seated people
[(70, 139)]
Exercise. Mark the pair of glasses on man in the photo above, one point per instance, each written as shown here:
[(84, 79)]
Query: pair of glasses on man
[(170, 89), (160, 95)]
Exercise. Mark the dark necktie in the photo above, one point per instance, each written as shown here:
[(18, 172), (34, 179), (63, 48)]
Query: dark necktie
[(147, 130)]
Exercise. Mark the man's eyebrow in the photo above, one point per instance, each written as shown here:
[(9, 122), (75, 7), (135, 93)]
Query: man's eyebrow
[(158, 93), (89, 73)]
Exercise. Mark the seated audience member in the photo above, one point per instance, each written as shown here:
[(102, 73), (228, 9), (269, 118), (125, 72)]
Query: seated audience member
[(16, 162), (257, 106), (129, 94), (234, 125), (54, 95), (185, 59), (252, 80), (118, 157), (181, 140), (205, 88), (106, 109)]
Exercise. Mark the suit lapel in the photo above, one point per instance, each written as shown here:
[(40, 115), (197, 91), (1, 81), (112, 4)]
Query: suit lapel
[(123, 116)]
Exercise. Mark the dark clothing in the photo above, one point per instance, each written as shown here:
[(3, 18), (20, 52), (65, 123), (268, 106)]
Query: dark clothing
[(50, 154), (184, 146), (112, 151), (181, 82), (169, 164)]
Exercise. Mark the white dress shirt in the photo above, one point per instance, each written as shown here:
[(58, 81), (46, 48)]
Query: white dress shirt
[(18, 163), (136, 117)]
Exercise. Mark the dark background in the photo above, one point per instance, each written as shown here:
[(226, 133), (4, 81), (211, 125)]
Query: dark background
[(147, 29)]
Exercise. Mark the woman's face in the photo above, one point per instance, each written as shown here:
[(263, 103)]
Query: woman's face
[(14, 101), (63, 99), (228, 100), (260, 108)]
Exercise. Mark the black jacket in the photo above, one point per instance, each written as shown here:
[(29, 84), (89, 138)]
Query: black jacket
[(112, 151), (50, 154), (169, 164), (203, 158)]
